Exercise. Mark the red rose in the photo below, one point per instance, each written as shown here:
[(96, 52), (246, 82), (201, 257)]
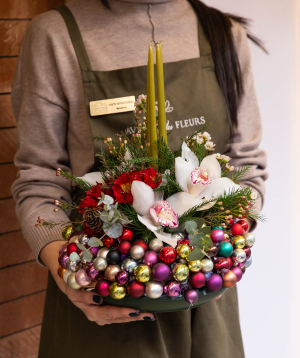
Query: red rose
[(122, 186)]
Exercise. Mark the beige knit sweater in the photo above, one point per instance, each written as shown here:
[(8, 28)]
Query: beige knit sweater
[(48, 98)]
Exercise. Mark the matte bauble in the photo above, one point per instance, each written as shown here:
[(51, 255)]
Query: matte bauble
[(180, 272), (72, 282), (100, 263), (238, 272), (111, 271), (110, 242), (172, 289), (113, 257), (195, 266), (243, 224), (183, 251), (136, 289), (124, 247), (83, 239), (63, 248), (217, 235), (213, 251), (161, 272), (72, 247), (142, 273), (62, 259), (248, 252), (238, 242), (121, 277), (156, 245), (167, 255), (127, 235), (238, 256), (91, 271), (225, 249), (60, 271), (250, 239), (129, 265), (73, 266), (207, 265), (153, 289), (221, 264), (116, 291), (102, 288), (137, 252), (103, 252), (141, 243), (191, 296), (229, 278), (67, 232), (214, 283), (82, 278), (197, 280), (150, 258), (237, 230), (66, 274), (248, 263)]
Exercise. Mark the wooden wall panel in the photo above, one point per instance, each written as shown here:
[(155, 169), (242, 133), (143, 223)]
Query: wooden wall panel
[(20, 314), (21, 251), (8, 173), (21, 345), (8, 145), (7, 118), (8, 218), (7, 69), (11, 34)]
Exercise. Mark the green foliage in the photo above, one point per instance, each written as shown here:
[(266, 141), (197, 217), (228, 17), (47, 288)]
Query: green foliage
[(238, 174), (169, 185), (95, 242), (196, 254), (81, 183)]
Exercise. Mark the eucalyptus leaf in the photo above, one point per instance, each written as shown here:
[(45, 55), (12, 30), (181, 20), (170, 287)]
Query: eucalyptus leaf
[(100, 243), (196, 255), (81, 247), (199, 222), (104, 216), (111, 215), (195, 239), (190, 226), (205, 243), (205, 230), (116, 205), (74, 256), (93, 242), (87, 256), (115, 231)]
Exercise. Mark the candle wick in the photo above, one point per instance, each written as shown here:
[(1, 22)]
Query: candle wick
[(158, 43), (153, 40)]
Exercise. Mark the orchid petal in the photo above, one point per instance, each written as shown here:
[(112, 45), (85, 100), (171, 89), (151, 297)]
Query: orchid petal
[(197, 189), (182, 173), (143, 197), (92, 178), (147, 221), (182, 202), (159, 195), (162, 213), (189, 156), (218, 187), (212, 166), (167, 238)]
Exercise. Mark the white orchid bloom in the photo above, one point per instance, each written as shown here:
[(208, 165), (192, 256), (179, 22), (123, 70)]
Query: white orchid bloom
[(92, 178), (153, 211)]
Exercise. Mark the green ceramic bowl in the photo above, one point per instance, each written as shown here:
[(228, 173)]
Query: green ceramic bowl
[(162, 304)]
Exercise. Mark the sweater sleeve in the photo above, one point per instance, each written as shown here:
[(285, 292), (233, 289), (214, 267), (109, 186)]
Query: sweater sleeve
[(41, 110), (244, 147)]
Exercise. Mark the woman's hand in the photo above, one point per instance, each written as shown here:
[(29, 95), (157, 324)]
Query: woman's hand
[(88, 302)]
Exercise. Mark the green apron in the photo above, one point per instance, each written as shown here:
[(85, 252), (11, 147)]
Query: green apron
[(193, 98)]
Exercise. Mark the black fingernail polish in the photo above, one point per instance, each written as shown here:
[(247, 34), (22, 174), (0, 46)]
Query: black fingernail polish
[(97, 299), (134, 314), (148, 318)]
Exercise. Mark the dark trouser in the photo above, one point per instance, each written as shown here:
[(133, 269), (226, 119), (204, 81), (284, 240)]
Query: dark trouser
[(209, 331)]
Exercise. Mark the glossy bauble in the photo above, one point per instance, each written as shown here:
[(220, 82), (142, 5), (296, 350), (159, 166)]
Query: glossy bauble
[(238, 242), (213, 251), (207, 265), (100, 263), (243, 224), (141, 243), (71, 282), (63, 248), (111, 271), (237, 230), (122, 277), (103, 252), (60, 271), (185, 241), (124, 247), (197, 280), (153, 289), (220, 264), (248, 263), (156, 245), (229, 259), (75, 239), (183, 251), (172, 289), (113, 257), (62, 259), (167, 255), (83, 239), (136, 289), (161, 272), (66, 274), (116, 291), (150, 258), (248, 252), (94, 251), (238, 256), (91, 271), (229, 278), (67, 232), (191, 296), (217, 236), (142, 273), (82, 278), (180, 272), (110, 242), (214, 283), (225, 249), (250, 239), (102, 288), (72, 247), (238, 272), (127, 235), (73, 266), (195, 266), (217, 227), (129, 265), (137, 252)]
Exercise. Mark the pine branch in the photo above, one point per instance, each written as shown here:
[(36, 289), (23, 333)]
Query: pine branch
[(238, 174), (81, 183)]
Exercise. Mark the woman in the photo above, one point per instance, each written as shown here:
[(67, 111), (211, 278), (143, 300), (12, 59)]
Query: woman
[(95, 50)]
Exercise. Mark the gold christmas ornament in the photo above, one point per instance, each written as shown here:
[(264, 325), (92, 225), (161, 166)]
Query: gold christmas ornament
[(116, 291), (238, 242), (180, 272), (183, 251), (67, 232), (195, 266), (111, 271), (207, 265), (142, 273)]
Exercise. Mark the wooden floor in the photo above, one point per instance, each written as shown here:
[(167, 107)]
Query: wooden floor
[(22, 280)]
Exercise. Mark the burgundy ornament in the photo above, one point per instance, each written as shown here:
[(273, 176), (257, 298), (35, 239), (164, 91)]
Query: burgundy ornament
[(243, 224), (92, 272), (63, 248), (212, 252), (127, 235), (221, 264), (136, 289), (191, 296), (172, 289), (142, 243), (121, 278), (197, 280), (248, 252), (217, 236), (110, 242), (124, 247), (62, 259), (161, 272), (214, 283), (167, 255), (150, 258), (238, 272), (102, 288), (237, 230)]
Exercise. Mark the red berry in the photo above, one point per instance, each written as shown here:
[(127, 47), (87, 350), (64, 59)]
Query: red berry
[(237, 230)]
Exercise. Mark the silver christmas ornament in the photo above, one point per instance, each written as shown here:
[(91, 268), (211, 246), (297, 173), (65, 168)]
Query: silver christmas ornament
[(100, 263), (137, 252), (248, 262), (72, 266), (82, 259), (153, 289), (128, 265), (207, 265), (177, 236), (250, 239), (103, 252), (72, 283), (83, 239), (239, 256), (156, 245)]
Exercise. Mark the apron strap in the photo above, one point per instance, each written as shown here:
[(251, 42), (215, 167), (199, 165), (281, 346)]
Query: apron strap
[(204, 44), (77, 41)]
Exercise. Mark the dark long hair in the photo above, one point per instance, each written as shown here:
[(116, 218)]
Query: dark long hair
[(217, 28)]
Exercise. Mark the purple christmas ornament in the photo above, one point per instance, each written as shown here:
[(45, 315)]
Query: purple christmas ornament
[(238, 272), (94, 250), (161, 272), (121, 277), (172, 289), (63, 248), (62, 259), (150, 258), (217, 235), (214, 283), (191, 296), (91, 271)]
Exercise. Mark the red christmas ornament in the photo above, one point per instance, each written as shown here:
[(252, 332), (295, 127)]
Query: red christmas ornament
[(197, 280), (124, 247), (72, 247), (167, 255), (136, 289), (109, 242), (243, 224), (142, 243), (229, 259), (127, 235), (221, 264), (102, 288), (183, 242), (237, 230)]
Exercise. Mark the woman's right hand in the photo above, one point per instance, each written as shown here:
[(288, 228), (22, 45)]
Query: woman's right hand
[(88, 302)]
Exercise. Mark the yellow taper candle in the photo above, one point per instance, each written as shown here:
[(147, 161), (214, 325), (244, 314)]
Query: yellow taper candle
[(151, 104), (162, 122)]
